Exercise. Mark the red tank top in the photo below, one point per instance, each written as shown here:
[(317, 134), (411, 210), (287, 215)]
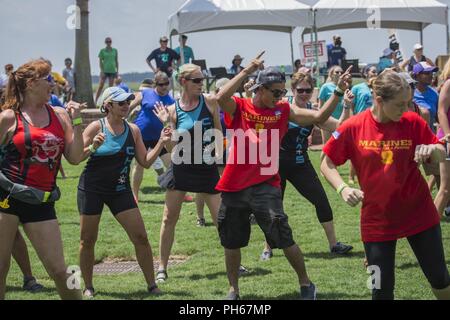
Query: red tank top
[(33, 155)]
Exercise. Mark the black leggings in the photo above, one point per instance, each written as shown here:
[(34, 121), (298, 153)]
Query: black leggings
[(304, 178), (428, 249)]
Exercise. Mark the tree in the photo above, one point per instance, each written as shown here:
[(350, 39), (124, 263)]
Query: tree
[(83, 80)]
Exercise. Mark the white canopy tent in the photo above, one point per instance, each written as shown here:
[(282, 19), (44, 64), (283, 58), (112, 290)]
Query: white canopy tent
[(393, 14), (269, 15)]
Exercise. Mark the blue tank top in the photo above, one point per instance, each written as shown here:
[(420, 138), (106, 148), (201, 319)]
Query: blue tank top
[(294, 146), (108, 168), (198, 117)]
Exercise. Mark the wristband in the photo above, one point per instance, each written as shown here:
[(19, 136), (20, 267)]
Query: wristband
[(77, 121), (346, 106), (339, 92), (341, 187), (91, 148)]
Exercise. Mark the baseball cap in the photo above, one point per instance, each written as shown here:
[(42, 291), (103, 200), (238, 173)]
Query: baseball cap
[(115, 94), (163, 39), (423, 67), (407, 77), (387, 52), (418, 46), (268, 76)]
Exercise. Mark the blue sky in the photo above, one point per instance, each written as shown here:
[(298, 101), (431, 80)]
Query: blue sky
[(34, 28)]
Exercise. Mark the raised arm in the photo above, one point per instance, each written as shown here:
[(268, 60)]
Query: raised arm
[(332, 124), (224, 97), (137, 101)]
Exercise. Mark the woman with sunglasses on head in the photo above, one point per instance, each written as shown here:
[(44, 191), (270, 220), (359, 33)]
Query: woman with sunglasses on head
[(295, 165), (149, 124), (111, 144), (385, 144), (33, 137), (192, 110)]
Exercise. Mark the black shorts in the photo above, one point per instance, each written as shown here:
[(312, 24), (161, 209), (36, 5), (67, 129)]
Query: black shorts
[(91, 203), (264, 201), (28, 213), (110, 75), (152, 144)]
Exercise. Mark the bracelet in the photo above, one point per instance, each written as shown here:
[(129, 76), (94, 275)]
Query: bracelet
[(91, 148), (339, 92), (341, 187), (77, 121), (346, 106)]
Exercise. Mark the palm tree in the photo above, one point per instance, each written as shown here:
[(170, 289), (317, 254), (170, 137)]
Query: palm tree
[(83, 81)]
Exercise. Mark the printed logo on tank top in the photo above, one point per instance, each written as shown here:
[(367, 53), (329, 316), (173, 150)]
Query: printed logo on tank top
[(122, 181), (386, 148), (46, 149)]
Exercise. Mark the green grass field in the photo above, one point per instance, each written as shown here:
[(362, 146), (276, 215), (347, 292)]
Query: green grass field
[(203, 275)]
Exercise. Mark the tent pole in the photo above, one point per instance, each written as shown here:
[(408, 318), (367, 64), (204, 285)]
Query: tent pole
[(292, 47), (180, 41), (316, 52), (447, 30), (421, 33)]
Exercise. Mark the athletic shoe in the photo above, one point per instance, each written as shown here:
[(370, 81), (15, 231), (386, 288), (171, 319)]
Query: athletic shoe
[(89, 293), (242, 270), (31, 285), (201, 222), (447, 212), (188, 198), (161, 276), (266, 255), (232, 296), (308, 293), (341, 248)]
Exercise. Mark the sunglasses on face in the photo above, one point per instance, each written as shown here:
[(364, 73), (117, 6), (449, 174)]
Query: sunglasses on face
[(165, 84), (277, 93), (122, 103), (339, 72), (301, 90), (195, 80)]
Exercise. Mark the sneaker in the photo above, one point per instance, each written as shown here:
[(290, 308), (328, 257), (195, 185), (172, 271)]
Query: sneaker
[(309, 292), (232, 296), (188, 198), (341, 248), (31, 285), (447, 212), (242, 270), (201, 222), (161, 276), (89, 293), (266, 255)]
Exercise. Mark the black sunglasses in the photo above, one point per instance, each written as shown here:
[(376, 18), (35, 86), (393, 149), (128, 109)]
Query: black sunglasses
[(122, 103), (196, 80), (163, 84), (277, 92), (301, 90)]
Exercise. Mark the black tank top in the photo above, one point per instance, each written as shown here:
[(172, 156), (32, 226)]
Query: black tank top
[(294, 146), (413, 62), (108, 169)]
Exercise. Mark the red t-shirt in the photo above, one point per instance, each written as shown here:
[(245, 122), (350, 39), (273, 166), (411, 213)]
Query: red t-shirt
[(260, 126), (397, 202)]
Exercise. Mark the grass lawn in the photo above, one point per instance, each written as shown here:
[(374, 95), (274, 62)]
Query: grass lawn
[(203, 275)]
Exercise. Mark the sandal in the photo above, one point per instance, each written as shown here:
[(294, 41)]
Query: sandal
[(30, 284), (89, 292), (161, 276)]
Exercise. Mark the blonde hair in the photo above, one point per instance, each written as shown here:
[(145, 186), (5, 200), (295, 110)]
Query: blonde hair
[(330, 73), (388, 85), (445, 74), (160, 75), (300, 77), (186, 70)]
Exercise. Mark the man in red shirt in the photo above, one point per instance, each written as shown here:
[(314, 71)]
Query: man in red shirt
[(385, 145), (250, 182)]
